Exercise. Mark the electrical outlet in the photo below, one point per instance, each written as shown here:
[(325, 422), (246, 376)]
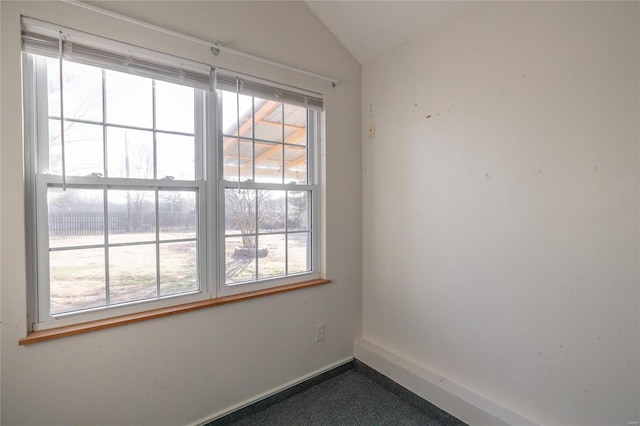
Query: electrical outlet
[(372, 130), (319, 332)]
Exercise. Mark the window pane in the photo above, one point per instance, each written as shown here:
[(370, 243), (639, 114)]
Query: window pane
[(130, 153), (271, 256), (271, 211), (295, 124), (178, 268), (53, 85), (82, 90), (76, 217), (178, 217), (230, 115), (240, 259), (230, 159), (76, 280), (240, 213), (299, 211), (295, 164), (175, 156), (174, 107), (132, 273), (268, 120), (268, 161), (129, 99), (83, 149), (132, 216), (299, 252)]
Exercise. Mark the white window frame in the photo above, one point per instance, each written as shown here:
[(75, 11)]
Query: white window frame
[(209, 184)]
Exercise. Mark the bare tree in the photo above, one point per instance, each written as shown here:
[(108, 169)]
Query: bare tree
[(241, 209)]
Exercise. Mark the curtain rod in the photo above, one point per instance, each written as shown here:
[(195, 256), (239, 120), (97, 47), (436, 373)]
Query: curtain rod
[(215, 47)]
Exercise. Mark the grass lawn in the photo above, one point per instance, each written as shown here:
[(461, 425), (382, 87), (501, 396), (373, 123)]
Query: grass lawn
[(78, 278)]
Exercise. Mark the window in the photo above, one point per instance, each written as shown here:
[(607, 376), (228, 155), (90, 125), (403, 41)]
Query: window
[(139, 200), (268, 188)]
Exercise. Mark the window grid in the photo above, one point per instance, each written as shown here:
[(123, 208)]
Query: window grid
[(107, 185), (259, 185)]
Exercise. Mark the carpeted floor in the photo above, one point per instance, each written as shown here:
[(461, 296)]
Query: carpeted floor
[(348, 399)]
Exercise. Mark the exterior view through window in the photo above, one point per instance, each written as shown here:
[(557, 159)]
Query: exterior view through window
[(267, 191), (160, 190), (126, 227)]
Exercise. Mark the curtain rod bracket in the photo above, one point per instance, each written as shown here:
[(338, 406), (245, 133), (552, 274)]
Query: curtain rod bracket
[(214, 49)]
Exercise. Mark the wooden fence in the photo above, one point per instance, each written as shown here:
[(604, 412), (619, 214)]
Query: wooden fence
[(91, 223)]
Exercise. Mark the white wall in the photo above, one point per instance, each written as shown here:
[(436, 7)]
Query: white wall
[(180, 369), (501, 207)]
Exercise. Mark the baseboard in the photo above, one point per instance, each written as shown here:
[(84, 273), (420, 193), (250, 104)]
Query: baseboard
[(275, 395), (460, 402)]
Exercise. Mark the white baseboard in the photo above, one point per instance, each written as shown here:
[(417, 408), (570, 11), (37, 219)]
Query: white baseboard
[(456, 400), (269, 393)]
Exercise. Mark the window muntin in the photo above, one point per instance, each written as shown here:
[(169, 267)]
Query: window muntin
[(268, 189)]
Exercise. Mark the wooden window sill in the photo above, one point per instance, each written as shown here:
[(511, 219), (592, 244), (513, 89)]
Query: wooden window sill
[(70, 330)]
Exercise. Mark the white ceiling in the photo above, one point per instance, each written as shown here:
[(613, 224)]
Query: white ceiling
[(369, 29)]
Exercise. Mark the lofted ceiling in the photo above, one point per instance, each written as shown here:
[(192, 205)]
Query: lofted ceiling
[(369, 29)]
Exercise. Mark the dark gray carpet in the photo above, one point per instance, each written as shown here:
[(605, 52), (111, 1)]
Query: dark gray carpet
[(348, 399)]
